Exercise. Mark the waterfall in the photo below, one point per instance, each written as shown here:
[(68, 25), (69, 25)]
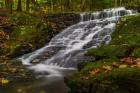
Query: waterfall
[(65, 50)]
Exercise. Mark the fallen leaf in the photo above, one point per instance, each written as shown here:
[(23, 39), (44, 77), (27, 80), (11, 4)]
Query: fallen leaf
[(115, 64), (120, 36), (134, 66), (128, 60), (107, 68), (85, 78), (4, 81), (123, 66), (137, 60), (95, 71)]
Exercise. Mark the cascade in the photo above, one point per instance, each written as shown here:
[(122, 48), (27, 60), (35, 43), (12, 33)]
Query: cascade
[(65, 50)]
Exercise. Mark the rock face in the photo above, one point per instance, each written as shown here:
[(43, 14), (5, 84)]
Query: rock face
[(21, 49), (60, 21)]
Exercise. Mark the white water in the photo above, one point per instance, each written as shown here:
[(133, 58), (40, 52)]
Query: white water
[(67, 48)]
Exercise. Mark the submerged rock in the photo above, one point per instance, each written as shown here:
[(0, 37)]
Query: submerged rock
[(35, 61)]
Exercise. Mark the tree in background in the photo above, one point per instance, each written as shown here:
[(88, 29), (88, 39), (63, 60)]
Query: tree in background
[(9, 5), (19, 6), (27, 6), (55, 6)]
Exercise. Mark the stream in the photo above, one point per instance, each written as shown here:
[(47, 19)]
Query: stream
[(59, 58)]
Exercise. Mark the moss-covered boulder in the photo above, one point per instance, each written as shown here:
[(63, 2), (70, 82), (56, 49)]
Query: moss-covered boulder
[(127, 31), (106, 76), (109, 51), (119, 80)]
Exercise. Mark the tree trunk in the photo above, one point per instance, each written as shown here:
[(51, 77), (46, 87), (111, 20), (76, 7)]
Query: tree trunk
[(11, 6), (67, 5), (19, 6), (27, 6), (83, 5), (91, 5), (52, 8), (115, 3), (61, 5), (33, 1), (7, 3)]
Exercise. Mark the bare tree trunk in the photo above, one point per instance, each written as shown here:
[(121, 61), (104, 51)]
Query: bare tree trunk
[(61, 5), (27, 6), (115, 3), (11, 6), (19, 6), (7, 2), (52, 8), (91, 5), (67, 4), (83, 5)]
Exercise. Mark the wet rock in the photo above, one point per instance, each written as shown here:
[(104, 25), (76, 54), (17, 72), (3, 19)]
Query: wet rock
[(21, 49), (46, 56), (35, 61), (13, 71), (62, 20)]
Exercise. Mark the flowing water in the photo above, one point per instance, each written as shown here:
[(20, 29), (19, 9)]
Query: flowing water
[(61, 55)]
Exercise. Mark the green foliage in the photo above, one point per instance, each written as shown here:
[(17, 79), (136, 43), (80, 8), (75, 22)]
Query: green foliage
[(136, 52), (51, 6), (25, 19)]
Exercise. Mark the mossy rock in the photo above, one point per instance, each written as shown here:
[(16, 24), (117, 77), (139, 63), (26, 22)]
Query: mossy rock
[(119, 80), (127, 31), (86, 66), (109, 51), (14, 71)]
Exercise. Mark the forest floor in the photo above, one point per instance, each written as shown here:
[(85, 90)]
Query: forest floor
[(117, 65)]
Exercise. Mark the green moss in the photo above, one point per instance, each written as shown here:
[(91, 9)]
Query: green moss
[(109, 51), (119, 80), (124, 39), (127, 31), (25, 19), (86, 66), (136, 52)]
